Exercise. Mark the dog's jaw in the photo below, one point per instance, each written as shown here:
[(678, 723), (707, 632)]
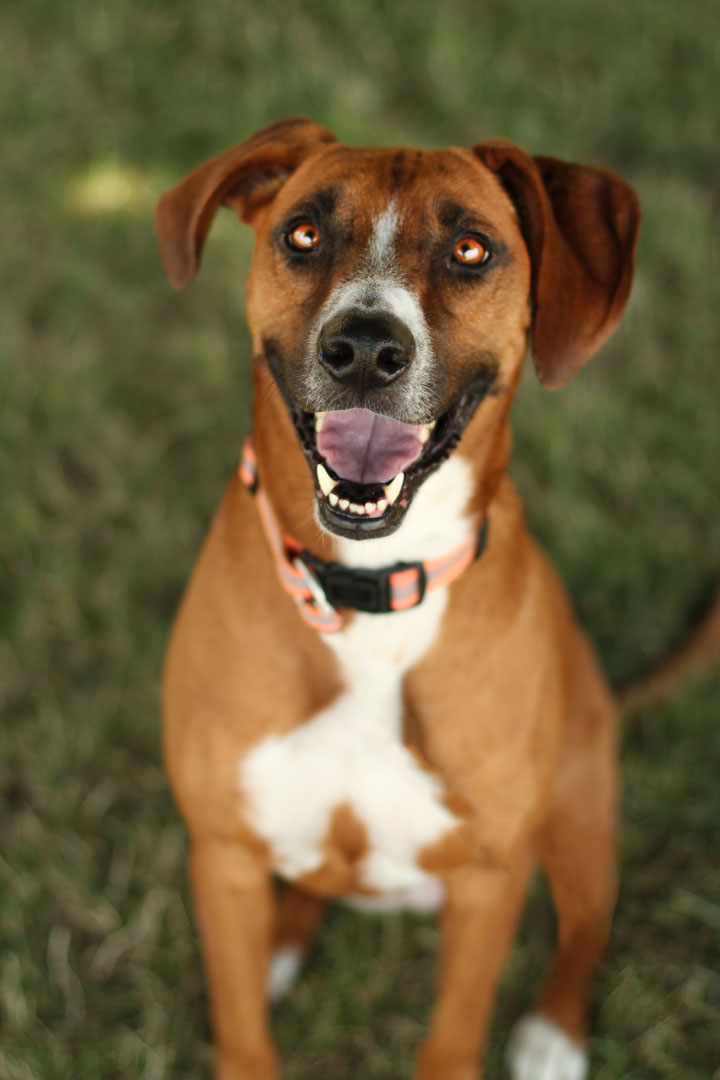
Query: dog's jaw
[(356, 510)]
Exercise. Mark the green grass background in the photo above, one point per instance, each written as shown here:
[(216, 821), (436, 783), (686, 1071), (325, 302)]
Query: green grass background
[(122, 407)]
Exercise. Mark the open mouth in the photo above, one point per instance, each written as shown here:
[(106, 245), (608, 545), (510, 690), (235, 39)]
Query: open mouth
[(368, 466)]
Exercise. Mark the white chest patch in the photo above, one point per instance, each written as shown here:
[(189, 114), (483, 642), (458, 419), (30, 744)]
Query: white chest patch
[(352, 752)]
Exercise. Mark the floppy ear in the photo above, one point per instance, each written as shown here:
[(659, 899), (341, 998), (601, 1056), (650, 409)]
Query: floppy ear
[(244, 177), (580, 226)]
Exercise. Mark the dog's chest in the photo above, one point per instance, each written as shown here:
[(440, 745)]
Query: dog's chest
[(348, 763)]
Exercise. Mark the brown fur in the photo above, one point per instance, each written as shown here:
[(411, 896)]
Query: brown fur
[(523, 733)]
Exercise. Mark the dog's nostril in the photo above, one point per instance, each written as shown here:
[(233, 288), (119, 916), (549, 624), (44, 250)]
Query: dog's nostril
[(391, 361), (338, 355)]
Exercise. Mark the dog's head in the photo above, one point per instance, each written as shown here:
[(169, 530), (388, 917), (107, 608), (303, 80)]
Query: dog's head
[(391, 291)]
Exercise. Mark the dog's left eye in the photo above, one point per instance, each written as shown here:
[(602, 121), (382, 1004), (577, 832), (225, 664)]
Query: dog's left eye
[(470, 251), (303, 237)]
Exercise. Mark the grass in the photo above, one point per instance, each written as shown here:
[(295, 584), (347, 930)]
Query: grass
[(122, 408)]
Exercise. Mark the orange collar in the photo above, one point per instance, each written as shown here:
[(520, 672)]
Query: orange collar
[(320, 588)]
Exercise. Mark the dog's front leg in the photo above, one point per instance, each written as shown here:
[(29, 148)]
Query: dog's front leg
[(478, 923), (234, 911)]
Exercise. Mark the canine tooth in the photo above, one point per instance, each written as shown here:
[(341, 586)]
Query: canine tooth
[(344, 503), (325, 481), (392, 490), (424, 433), (370, 507), (382, 505), (319, 420), (333, 499)]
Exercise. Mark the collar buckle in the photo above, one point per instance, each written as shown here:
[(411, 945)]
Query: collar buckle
[(345, 587)]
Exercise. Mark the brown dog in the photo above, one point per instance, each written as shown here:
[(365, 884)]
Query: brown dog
[(414, 719)]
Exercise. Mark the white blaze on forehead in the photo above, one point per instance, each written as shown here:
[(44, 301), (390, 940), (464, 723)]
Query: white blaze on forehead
[(381, 249)]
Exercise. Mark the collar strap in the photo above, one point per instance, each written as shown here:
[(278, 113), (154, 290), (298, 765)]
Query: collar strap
[(319, 588)]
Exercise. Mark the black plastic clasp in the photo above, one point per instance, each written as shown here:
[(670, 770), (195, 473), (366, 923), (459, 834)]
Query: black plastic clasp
[(363, 590)]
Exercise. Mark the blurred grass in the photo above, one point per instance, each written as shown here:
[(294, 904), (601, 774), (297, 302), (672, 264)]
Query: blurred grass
[(122, 408)]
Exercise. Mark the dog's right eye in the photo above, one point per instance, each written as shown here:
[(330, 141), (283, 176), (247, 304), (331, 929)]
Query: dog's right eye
[(303, 237), (470, 251)]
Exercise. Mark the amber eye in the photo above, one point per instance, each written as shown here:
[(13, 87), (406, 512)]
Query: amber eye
[(469, 251), (303, 237)]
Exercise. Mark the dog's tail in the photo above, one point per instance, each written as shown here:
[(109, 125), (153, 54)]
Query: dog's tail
[(695, 657)]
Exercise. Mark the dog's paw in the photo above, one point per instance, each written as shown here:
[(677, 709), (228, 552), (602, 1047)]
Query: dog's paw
[(283, 970), (540, 1050)]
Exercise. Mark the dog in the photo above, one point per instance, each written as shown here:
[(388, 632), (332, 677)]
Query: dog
[(375, 688)]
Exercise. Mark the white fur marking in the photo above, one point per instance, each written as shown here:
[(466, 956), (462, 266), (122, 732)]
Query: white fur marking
[(540, 1050), (352, 752), (426, 899), (284, 967), (381, 249)]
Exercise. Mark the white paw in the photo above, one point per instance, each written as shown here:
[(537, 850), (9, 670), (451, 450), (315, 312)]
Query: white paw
[(284, 966), (540, 1050), (283, 970)]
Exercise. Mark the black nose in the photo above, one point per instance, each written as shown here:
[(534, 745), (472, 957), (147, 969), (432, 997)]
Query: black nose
[(368, 350)]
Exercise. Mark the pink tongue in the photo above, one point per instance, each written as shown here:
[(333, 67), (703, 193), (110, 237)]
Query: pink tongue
[(368, 448)]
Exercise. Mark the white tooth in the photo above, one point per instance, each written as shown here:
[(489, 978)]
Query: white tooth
[(392, 490), (424, 433), (333, 499), (370, 507), (355, 508), (319, 421), (325, 480), (344, 503), (382, 505)]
